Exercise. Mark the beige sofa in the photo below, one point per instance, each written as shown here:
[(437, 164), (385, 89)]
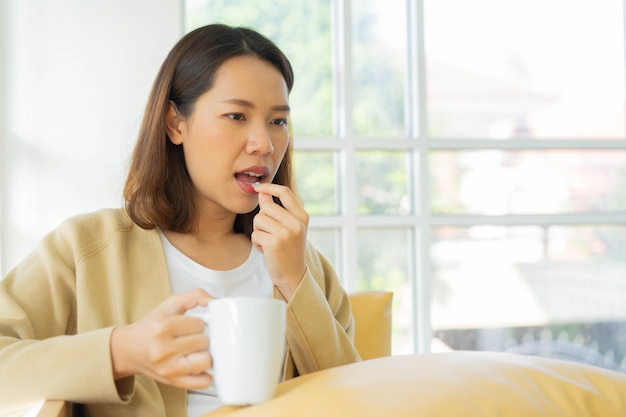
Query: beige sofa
[(467, 384)]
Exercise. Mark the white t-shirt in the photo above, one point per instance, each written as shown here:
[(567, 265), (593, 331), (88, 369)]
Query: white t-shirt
[(248, 279)]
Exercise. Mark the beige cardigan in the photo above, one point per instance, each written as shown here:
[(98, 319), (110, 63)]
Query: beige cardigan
[(100, 270)]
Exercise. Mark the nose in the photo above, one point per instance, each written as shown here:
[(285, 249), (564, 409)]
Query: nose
[(260, 141)]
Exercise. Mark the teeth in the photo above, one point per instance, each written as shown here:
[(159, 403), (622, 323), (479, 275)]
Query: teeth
[(254, 174)]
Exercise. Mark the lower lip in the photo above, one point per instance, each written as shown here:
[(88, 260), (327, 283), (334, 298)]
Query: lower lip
[(247, 187)]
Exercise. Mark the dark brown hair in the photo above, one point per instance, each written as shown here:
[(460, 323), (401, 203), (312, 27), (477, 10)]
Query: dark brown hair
[(158, 190)]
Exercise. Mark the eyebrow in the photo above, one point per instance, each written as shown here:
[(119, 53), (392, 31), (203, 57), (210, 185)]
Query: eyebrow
[(246, 103)]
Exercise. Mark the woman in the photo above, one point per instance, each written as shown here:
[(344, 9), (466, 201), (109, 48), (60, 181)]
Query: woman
[(95, 315)]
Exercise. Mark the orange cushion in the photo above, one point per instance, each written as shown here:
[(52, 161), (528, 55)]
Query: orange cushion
[(467, 384), (372, 318)]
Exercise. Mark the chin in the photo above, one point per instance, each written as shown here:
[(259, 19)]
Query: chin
[(245, 209)]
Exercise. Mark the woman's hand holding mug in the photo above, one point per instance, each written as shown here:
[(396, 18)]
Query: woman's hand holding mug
[(165, 345)]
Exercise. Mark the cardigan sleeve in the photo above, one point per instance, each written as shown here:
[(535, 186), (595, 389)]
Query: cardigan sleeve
[(320, 326), (41, 354)]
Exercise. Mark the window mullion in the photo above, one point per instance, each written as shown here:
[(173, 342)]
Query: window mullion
[(526, 144), (624, 33), (342, 32), (418, 129), (597, 218), (342, 67)]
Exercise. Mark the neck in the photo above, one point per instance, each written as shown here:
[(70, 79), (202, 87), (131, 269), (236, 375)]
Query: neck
[(214, 245)]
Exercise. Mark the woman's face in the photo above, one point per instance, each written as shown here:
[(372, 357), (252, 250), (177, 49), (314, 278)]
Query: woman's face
[(236, 135)]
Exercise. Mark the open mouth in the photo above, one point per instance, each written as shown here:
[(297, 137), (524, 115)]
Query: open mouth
[(250, 177)]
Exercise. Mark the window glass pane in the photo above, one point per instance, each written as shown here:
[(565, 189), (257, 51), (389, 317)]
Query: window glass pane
[(328, 242), (525, 68), (528, 182), (303, 33), (379, 67), (384, 264), (382, 182), (497, 288), (316, 176)]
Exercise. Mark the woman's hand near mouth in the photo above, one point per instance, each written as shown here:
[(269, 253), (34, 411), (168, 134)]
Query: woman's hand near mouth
[(280, 234)]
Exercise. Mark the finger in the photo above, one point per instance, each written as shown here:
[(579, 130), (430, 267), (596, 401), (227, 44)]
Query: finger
[(284, 194), (181, 325), (285, 226), (196, 363), (180, 303), (181, 373), (265, 222), (293, 220), (187, 363), (258, 246), (167, 349), (289, 204), (261, 239), (197, 381), (189, 343), (265, 198)]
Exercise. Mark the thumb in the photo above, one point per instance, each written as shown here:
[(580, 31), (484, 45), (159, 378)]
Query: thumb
[(264, 198)]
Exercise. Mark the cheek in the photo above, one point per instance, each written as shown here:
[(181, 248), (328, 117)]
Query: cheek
[(280, 147), (278, 155), (206, 141), (203, 153)]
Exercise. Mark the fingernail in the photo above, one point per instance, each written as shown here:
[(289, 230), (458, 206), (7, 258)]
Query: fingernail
[(256, 185)]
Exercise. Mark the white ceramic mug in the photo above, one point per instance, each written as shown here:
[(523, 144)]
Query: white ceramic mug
[(247, 345)]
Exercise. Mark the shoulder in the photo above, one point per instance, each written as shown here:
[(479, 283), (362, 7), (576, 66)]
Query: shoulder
[(108, 219), (97, 224), (87, 233)]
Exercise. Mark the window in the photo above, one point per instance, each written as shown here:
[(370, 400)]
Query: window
[(470, 157)]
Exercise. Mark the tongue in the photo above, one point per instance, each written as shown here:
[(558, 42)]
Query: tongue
[(250, 179)]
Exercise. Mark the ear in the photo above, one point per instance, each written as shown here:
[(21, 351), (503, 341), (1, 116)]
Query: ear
[(174, 124)]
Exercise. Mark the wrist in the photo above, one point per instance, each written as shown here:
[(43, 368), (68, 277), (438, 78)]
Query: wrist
[(290, 288), (120, 363)]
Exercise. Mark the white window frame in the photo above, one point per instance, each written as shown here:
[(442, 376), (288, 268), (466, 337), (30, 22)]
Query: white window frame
[(418, 145)]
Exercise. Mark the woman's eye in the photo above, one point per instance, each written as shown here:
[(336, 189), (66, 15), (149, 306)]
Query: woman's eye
[(236, 116), (279, 122)]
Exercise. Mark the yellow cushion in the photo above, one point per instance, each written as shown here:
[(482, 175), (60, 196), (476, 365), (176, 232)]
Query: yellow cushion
[(372, 318), (467, 384)]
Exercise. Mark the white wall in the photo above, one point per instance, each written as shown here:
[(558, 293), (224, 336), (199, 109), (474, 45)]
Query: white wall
[(74, 80)]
